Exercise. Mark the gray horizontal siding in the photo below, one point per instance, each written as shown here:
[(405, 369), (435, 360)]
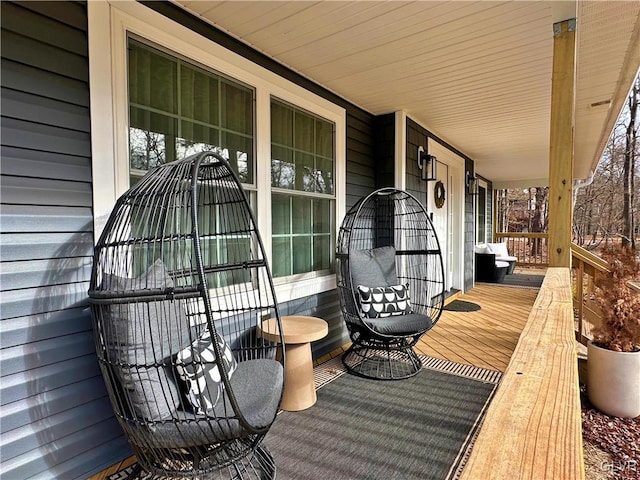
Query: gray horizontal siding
[(25, 106), (48, 462), (47, 138), (22, 77), (58, 400), (36, 246), (56, 419), (326, 306), (33, 328), (361, 165), (31, 163), (39, 54), (49, 29)]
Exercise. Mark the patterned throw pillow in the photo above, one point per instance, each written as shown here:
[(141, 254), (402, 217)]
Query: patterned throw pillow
[(380, 302), (197, 366)]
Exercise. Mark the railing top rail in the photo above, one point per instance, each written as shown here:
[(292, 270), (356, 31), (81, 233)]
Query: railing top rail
[(538, 397), (589, 258), (521, 235)]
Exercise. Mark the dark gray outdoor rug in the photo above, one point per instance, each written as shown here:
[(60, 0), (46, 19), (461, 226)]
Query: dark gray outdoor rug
[(462, 306), (421, 428)]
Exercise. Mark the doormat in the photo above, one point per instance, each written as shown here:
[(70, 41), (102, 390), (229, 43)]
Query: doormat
[(462, 306)]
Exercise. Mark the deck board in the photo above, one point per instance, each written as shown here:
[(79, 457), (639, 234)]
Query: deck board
[(484, 338)]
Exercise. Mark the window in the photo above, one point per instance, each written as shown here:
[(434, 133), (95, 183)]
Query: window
[(160, 91), (481, 214), (177, 109), (302, 182)]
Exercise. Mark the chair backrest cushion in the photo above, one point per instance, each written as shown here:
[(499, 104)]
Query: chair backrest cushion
[(500, 249), (481, 248), (374, 267), (146, 335)]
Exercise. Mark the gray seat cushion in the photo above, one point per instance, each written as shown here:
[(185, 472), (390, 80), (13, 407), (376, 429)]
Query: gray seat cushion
[(401, 324), (257, 386), (375, 267)]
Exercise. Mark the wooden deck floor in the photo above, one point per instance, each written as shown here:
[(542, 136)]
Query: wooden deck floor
[(485, 338)]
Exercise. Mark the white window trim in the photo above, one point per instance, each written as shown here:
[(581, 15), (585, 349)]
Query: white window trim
[(109, 24), (482, 183), (400, 152)]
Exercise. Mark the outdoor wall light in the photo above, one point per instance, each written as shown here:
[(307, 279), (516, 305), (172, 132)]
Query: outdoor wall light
[(426, 164), (472, 184)]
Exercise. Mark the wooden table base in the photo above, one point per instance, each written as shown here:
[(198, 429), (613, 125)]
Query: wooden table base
[(299, 392), (298, 333)]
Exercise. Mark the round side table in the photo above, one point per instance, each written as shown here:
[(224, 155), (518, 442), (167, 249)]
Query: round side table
[(298, 333)]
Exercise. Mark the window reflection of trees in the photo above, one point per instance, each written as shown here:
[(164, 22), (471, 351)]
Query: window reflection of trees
[(283, 175), (148, 150)]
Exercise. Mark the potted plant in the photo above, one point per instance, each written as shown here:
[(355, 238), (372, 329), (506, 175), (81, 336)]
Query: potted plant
[(613, 365)]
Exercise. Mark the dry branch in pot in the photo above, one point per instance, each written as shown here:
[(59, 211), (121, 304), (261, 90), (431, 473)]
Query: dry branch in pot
[(620, 304)]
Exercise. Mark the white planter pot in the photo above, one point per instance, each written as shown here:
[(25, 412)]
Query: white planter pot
[(613, 381)]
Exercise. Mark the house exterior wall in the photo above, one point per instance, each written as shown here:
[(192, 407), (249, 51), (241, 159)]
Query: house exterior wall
[(469, 231), (417, 136), (385, 150), (56, 418), (360, 162)]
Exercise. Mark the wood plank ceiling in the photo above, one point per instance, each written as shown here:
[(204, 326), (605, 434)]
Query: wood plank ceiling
[(477, 74)]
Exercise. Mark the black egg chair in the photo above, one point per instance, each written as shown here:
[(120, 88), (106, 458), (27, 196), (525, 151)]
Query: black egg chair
[(390, 281), (179, 283)]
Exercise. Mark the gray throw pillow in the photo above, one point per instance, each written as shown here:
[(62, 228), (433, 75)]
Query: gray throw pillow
[(375, 267), (145, 336)]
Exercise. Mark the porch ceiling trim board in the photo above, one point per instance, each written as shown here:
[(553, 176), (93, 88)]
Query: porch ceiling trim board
[(475, 74)]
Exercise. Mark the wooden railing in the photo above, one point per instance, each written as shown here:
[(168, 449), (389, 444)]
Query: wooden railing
[(586, 266), (532, 429), (530, 248)]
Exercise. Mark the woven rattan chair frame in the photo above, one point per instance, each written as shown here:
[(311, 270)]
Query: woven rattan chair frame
[(181, 258), (389, 217)]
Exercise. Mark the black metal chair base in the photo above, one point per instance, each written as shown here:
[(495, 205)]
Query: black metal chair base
[(391, 363), (257, 465)]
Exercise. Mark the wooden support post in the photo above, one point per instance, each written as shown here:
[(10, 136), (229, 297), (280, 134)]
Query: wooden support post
[(561, 144)]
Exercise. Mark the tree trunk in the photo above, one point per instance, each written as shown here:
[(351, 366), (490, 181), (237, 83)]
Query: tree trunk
[(537, 221), (628, 234)]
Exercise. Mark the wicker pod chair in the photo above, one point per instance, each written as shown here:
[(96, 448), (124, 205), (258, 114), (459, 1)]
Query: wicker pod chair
[(390, 280), (179, 284)]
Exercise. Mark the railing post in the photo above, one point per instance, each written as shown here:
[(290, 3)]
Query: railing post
[(580, 293), (561, 144)]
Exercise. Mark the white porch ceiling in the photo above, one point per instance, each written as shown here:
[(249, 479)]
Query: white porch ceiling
[(477, 74)]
